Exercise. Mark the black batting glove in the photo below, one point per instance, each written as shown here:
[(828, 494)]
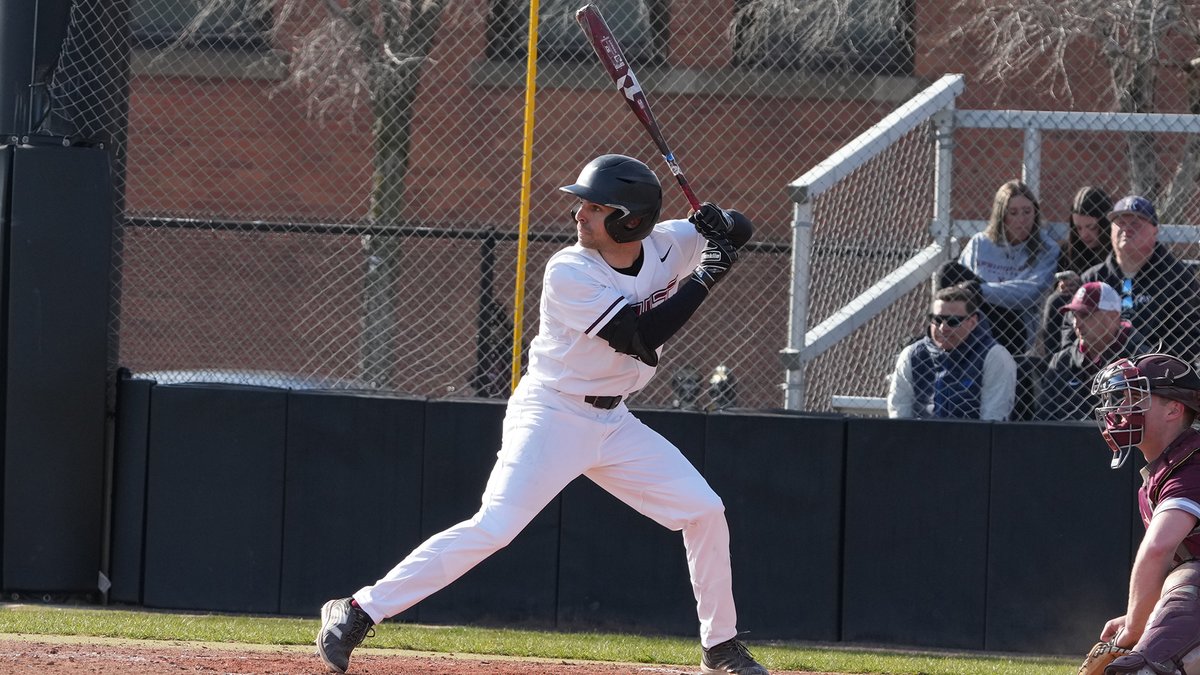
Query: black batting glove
[(719, 255), (712, 221)]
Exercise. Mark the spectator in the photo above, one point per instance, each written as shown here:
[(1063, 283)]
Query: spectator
[(722, 389), (1158, 293), (686, 385), (1102, 337), (1012, 262), (957, 370), (1087, 245)]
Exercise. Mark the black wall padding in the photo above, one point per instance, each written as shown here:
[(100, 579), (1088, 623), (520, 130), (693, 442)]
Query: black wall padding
[(1058, 555), (780, 477), (6, 154), (214, 502), (516, 584), (129, 490), (916, 532), (57, 291), (353, 497), (619, 569)]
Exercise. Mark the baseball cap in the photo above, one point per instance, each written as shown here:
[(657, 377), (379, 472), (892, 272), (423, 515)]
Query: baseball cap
[(1137, 205), (1093, 296), (1170, 377)]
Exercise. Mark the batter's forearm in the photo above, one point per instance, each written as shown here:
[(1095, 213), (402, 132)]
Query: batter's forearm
[(660, 323), (640, 335)]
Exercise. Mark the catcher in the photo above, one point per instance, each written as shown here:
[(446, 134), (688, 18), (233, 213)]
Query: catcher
[(1150, 402)]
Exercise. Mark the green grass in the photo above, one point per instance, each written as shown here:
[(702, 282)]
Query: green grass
[(131, 624)]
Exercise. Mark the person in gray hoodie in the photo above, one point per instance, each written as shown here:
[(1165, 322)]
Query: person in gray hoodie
[(1011, 264)]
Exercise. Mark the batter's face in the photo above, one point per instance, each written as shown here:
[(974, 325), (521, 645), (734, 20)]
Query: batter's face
[(589, 225)]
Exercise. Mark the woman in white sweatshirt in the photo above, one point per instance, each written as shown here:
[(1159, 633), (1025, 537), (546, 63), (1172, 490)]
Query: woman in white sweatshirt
[(1013, 260)]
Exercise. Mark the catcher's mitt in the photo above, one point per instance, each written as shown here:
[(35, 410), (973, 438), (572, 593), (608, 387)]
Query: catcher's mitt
[(1101, 655)]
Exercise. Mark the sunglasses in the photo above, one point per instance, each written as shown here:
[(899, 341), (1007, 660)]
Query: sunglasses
[(950, 320), (1127, 294)]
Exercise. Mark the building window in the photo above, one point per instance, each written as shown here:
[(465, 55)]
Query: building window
[(218, 23), (870, 37), (639, 25)]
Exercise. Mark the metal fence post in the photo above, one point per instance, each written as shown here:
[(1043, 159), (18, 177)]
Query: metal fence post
[(798, 309), (943, 168), (1031, 160)]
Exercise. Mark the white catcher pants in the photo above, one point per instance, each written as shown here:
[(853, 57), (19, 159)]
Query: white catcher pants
[(551, 438)]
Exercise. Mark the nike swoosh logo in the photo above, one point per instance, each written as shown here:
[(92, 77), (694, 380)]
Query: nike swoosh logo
[(664, 257)]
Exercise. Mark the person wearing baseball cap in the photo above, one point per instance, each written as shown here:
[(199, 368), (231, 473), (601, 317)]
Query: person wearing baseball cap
[(1151, 402), (1101, 336), (1159, 295)]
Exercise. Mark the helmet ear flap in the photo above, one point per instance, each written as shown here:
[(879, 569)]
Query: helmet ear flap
[(627, 227)]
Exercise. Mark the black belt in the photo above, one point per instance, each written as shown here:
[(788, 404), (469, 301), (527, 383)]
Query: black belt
[(603, 402)]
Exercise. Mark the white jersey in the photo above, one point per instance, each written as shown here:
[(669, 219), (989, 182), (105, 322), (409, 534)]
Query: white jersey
[(581, 293)]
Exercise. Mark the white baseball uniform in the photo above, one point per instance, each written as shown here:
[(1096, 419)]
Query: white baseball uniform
[(551, 436)]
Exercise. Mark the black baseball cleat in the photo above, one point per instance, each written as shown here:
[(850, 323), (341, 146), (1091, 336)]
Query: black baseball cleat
[(730, 657), (343, 627)]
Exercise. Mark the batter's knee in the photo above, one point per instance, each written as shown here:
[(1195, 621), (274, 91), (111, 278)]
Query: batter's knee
[(495, 530), (710, 506)]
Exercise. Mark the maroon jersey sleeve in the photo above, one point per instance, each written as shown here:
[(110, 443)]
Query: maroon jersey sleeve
[(1181, 491)]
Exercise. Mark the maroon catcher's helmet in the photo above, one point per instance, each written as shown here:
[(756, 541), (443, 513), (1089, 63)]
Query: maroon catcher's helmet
[(1124, 387)]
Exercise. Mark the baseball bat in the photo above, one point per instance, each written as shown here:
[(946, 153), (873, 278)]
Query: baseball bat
[(608, 50)]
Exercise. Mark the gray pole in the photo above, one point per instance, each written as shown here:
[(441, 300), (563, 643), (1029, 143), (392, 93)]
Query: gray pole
[(31, 36), (17, 36), (793, 364)]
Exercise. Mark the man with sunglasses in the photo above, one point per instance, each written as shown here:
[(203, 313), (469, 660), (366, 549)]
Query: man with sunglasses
[(1102, 336), (1151, 402), (1160, 296), (957, 370)]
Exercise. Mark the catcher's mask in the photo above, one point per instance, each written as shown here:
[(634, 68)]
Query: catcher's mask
[(625, 184), (1123, 390)]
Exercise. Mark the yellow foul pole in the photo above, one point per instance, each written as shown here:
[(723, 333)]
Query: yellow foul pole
[(526, 180)]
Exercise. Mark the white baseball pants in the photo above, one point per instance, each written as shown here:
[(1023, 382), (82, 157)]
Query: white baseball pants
[(551, 438)]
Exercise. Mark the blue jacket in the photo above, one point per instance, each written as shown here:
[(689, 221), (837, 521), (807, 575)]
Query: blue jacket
[(947, 384)]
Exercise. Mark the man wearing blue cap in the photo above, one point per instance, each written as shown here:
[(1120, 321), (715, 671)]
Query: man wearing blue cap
[(1159, 295)]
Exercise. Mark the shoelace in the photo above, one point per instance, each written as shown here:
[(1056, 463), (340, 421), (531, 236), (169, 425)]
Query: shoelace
[(362, 629), (736, 648), (742, 649)]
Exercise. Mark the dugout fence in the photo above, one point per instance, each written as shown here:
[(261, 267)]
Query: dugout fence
[(870, 326)]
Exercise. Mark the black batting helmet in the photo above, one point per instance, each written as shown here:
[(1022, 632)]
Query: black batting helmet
[(625, 184)]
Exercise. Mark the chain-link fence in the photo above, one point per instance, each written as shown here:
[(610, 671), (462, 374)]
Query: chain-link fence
[(328, 193)]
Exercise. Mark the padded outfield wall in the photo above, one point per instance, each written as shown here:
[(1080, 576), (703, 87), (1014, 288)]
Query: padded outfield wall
[(966, 535)]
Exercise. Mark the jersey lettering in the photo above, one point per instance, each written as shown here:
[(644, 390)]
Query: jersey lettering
[(656, 298)]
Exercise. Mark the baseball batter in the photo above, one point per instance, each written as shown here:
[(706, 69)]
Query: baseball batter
[(1150, 402), (609, 302)]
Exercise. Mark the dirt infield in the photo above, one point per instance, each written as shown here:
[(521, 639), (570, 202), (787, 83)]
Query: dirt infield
[(21, 655)]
